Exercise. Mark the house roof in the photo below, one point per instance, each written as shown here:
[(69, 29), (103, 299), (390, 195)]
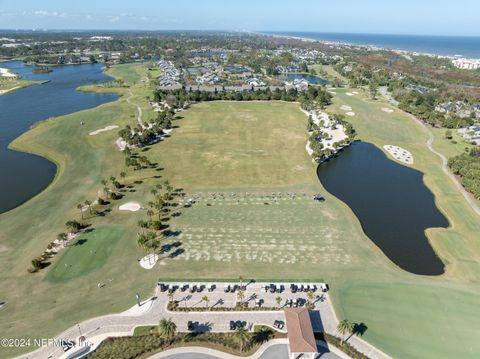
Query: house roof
[(300, 332)]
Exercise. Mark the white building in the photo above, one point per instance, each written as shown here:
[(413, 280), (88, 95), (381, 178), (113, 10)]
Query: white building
[(467, 64)]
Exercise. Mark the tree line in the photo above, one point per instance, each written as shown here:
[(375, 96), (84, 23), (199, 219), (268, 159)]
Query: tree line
[(467, 166), (311, 98)]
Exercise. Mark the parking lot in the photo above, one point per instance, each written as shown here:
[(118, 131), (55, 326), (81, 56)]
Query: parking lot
[(252, 295)]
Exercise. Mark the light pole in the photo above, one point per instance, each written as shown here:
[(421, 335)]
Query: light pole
[(138, 298)]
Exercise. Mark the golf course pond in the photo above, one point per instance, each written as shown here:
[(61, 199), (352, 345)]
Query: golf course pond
[(391, 202), (23, 175), (310, 78)]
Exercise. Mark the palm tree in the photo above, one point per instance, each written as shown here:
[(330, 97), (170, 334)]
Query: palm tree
[(80, 207), (167, 328), (142, 241), (343, 328), (240, 295), (262, 335), (310, 296), (170, 296), (88, 204), (62, 237), (278, 300), (206, 300), (150, 214), (242, 336), (142, 224)]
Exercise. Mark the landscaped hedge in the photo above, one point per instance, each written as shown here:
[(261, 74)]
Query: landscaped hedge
[(144, 346), (176, 307), (345, 347)]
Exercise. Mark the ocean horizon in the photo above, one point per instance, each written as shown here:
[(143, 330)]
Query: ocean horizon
[(461, 46)]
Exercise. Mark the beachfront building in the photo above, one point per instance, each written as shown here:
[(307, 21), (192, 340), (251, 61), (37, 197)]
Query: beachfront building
[(467, 64), (301, 341)]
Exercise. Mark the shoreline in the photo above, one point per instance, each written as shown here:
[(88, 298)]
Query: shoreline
[(369, 46), (57, 159)]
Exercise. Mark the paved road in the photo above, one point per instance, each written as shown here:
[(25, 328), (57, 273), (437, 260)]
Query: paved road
[(276, 351)]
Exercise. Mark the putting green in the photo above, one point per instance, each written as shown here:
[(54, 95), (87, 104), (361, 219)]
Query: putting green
[(87, 253)]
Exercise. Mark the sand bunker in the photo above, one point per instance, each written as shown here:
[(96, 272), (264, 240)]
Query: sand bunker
[(400, 154), (387, 110), (332, 92), (345, 108), (350, 113), (355, 92), (108, 128), (149, 261), (130, 206), (6, 72), (349, 94)]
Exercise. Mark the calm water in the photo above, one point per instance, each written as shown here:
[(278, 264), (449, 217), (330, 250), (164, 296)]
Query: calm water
[(439, 45), (310, 78), (24, 175), (391, 202)]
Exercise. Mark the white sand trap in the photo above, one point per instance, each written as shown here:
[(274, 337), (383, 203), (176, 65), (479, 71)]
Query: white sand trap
[(399, 153), (105, 129), (387, 110), (121, 144), (355, 92), (130, 206), (345, 108), (6, 72), (349, 94), (350, 113), (149, 261), (332, 92)]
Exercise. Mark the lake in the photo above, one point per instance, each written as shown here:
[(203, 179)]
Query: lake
[(24, 175), (391, 202), (315, 80)]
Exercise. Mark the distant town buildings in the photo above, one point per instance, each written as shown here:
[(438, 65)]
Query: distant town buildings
[(460, 108), (170, 77), (467, 64)]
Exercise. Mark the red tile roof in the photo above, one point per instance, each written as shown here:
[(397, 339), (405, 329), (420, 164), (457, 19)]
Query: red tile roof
[(300, 332)]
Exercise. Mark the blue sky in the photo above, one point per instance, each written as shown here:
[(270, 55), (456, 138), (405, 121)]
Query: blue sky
[(430, 17)]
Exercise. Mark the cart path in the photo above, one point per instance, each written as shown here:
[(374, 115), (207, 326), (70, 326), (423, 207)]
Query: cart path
[(445, 168)]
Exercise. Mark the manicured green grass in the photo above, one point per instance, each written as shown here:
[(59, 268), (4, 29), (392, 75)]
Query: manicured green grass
[(130, 73), (448, 147), (232, 145), (87, 253), (14, 85), (416, 321)]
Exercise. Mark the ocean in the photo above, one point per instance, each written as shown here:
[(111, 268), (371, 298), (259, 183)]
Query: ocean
[(463, 46)]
